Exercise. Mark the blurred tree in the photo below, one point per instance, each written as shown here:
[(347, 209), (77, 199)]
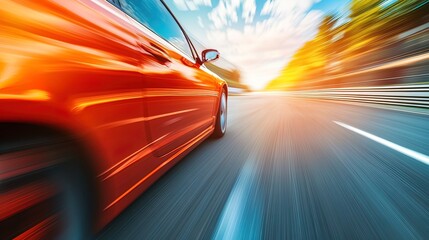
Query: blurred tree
[(401, 16), (368, 38), (312, 59), (363, 33)]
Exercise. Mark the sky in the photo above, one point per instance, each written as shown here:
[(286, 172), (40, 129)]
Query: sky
[(258, 36)]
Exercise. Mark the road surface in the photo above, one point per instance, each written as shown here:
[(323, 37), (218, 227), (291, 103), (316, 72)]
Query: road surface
[(292, 168)]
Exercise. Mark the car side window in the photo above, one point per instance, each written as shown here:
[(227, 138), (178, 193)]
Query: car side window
[(154, 15)]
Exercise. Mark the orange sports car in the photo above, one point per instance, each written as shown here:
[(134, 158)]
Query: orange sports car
[(97, 100)]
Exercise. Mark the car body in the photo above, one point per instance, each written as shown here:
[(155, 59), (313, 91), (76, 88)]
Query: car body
[(134, 100)]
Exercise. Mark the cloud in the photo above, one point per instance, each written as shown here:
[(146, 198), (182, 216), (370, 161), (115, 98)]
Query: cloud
[(262, 48), (282, 7), (249, 10), (191, 5), (226, 12)]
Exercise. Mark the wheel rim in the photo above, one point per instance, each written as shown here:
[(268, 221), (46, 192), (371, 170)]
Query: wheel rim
[(223, 113)]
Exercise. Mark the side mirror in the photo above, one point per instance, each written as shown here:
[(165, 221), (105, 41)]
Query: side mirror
[(210, 55)]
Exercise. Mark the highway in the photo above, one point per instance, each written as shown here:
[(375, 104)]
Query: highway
[(292, 168)]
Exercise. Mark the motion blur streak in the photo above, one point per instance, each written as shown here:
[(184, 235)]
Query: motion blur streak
[(286, 171), (164, 164), (33, 95), (82, 103), (139, 154), (145, 151), (418, 156), (135, 120)]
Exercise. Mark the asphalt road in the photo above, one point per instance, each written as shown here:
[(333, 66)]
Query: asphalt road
[(291, 168)]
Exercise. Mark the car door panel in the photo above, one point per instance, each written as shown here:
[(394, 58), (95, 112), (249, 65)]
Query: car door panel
[(179, 96)]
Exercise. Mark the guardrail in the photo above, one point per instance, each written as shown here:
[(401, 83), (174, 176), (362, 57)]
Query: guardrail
[(401, 95)]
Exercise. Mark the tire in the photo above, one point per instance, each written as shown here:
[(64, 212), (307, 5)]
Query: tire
[(221, 117), (49, 181)]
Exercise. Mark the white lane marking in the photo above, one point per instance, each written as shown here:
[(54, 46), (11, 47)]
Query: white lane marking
[(241, 217), (418, 156)]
